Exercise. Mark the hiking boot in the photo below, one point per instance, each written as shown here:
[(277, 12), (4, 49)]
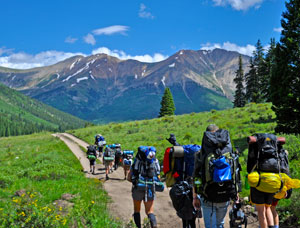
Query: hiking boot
[(107, 178), (91, 170)]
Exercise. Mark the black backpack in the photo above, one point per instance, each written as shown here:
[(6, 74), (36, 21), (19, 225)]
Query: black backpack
[(91, 152), (267, 153), (219, 169), (181, 195)]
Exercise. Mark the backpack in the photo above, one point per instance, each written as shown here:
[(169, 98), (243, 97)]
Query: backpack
[(109, 154), (181, 195), (145, 170), (91, 152), (266, 150), (178, 163), (219, 173), (127, 157)]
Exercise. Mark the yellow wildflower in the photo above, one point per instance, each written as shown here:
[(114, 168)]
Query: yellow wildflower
[(60, 208), (49, 209), (93, 201)]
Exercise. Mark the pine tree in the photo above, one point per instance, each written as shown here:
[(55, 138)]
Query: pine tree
[(261, 71), (252, 84), (239, 96), (167, 104), (285, 81), (270, 61)]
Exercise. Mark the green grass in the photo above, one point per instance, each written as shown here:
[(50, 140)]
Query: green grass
[(189, 128), (46, 169)]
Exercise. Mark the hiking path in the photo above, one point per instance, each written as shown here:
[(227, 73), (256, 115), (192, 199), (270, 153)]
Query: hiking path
[(119, 190)]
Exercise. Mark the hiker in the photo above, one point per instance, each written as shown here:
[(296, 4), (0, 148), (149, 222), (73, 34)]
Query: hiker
[(108, 159), (284, 168), (264, 154), (216, 176), (181, 192), (100, 143), (144, 175), (118, 156), (127, 161), (92, 156)]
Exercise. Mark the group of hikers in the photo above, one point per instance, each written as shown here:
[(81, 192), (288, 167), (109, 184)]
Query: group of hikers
[(205, 179), (112, 156)]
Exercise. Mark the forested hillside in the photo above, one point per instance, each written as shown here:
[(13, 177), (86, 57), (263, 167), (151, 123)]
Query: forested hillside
[(20, 114)]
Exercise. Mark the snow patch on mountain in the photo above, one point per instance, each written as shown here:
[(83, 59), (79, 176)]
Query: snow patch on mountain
[(77, 72), (135, 76), (172, 65), (13, 77), (81, 79), (181, 53), (163, 81), (74, 84), (58, 76), (73, 64)]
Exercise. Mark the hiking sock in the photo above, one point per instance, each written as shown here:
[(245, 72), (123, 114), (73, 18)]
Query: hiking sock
[(152, 220), (271, 226), (137, 219), (276, 226)]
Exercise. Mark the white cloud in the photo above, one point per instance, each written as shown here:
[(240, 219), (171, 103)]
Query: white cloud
[(157, 57), (239, 4), (278, 29), (111, 30), (23, 60), (89, 39), (245, 50), (4, 50), (70, 40), (143, 13)]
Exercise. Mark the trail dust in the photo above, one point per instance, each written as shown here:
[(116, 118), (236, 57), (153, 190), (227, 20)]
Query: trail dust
[(119, 190)]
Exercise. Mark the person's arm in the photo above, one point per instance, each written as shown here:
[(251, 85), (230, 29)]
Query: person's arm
[(196, 200)]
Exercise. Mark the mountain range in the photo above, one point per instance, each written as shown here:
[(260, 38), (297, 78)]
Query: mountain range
[(102, 88)]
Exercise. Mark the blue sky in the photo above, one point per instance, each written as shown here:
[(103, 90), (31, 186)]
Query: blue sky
[(38, 33)]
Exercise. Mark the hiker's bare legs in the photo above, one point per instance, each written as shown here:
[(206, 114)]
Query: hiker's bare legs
[(275, 215), (149, 207), (269, 215), (265, 216), (137, 206)]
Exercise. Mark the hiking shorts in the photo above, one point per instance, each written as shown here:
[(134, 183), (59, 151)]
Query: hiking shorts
[(92, 162), (140, 195), (258, 197)]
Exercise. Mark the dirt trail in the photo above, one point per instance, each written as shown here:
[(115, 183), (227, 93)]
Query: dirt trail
[(120, 190)]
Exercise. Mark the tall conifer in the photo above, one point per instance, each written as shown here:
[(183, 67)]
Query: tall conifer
[(285, 81), (167, 104), (239, 96)]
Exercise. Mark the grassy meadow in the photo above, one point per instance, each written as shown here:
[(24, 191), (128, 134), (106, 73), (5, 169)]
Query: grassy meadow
[(189, 128), (36, 170)]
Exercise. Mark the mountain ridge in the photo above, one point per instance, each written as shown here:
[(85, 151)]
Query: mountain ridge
[(199, 80)]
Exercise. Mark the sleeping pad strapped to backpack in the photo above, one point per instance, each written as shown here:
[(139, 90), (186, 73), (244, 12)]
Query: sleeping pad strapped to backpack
[(219, 173), (146, 170), (178, 163), (266, 155), (91, 152)]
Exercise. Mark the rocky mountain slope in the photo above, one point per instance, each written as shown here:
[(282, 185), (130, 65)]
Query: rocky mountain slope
[(102, 88)]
